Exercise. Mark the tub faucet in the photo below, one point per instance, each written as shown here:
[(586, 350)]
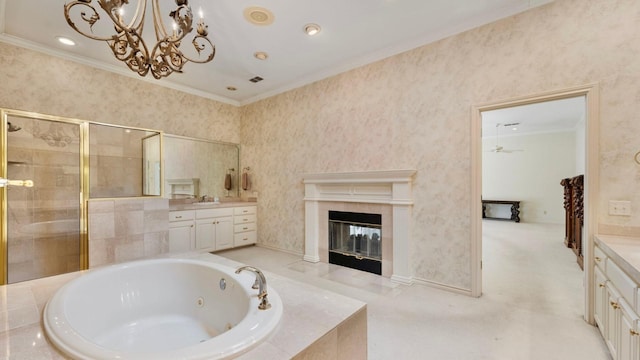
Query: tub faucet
[(262, 285)]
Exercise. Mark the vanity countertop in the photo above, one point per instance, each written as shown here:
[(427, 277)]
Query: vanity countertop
[(625, 251), (210, 205)]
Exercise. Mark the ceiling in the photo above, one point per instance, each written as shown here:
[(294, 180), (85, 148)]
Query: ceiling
[(354, 33), (544, 117)]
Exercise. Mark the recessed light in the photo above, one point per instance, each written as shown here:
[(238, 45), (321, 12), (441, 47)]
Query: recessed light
[(232, 88), (261, 55), (66, 41), (312, 29)]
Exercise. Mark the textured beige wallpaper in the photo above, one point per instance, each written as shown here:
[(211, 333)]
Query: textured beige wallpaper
[(37, 82), (413, 110)]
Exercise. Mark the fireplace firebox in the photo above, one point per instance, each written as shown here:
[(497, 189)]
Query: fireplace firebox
[(355, 240)]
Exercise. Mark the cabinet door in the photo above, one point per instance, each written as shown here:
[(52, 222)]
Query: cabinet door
[(627, 345), (224, 232), (600, 300), (612, 316), (205, 233), (181, 236)]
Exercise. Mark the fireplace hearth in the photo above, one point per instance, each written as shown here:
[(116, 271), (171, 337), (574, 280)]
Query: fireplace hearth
[(355, 240)]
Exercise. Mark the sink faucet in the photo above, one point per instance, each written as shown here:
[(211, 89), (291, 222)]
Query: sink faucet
[(262, 286), (203, 198)]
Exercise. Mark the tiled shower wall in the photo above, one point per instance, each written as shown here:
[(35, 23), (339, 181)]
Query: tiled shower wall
[(127, 229)]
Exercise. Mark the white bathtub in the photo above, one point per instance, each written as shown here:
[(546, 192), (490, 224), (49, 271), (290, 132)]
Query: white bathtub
[(159, 309)]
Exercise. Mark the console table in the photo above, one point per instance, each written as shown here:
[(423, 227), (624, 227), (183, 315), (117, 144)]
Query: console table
[(515, 209)]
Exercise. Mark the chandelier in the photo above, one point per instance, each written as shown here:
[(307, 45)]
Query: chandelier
[(127, 43)]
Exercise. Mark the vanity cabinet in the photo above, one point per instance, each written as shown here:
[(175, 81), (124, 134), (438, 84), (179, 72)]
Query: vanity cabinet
[(182, 231), (244, 229), (617, 301), (214, 229)]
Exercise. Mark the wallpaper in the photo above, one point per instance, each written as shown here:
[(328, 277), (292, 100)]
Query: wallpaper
[(413, 110), (37, 82)]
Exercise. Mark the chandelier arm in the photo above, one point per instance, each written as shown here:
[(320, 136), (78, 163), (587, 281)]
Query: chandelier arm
[(158, 24), (201, 47), (91, 20)]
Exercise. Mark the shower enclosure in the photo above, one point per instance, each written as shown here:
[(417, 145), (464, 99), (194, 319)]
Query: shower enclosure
[(41, 224)]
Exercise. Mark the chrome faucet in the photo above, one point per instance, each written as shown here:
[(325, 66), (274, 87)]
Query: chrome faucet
[(261, 283)]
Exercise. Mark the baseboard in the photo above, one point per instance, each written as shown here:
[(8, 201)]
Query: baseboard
[(437, 285), (292, 252)]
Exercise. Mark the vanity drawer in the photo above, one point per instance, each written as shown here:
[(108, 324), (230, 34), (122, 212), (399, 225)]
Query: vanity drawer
[(210, 213), (244, 210), (244, 227), (243, 219), (599, 258), (181, 215), (246, 238), (623, 283)]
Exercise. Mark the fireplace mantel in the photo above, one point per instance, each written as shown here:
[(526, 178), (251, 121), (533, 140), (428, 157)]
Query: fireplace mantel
[(392, 187)]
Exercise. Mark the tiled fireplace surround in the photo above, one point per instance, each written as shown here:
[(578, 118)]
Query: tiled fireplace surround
[(388, 193)]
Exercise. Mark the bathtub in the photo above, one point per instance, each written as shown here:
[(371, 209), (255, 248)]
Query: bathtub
[(159, 309)]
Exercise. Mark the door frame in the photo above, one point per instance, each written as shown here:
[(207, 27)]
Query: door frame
[(591, 92), (84, 184)]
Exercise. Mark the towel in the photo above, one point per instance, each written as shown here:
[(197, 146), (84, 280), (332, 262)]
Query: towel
[(227, 182), (246, 184)]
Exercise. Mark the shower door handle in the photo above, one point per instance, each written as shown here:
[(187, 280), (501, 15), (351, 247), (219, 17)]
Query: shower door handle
[(7, 182)]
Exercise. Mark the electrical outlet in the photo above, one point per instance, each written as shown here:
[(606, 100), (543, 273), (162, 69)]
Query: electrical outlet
[(619, 208)]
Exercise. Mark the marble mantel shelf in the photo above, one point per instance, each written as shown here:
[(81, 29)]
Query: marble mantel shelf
[(392, 187), (381, 187)]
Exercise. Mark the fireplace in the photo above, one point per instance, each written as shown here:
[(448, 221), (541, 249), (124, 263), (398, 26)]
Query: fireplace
[(355, 240), (374, 192)]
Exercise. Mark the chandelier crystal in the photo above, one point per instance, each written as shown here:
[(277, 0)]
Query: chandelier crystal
[(127, 43)]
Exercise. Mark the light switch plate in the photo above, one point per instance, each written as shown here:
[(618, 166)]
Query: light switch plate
[(619, 208)]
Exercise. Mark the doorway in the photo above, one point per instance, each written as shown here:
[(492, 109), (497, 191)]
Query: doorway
[(590, 94)]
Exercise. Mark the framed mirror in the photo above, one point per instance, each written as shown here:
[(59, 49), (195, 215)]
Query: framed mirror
[(198, 167)]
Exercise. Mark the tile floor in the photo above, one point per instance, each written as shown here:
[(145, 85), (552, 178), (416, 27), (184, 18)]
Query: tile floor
[(531, 306)]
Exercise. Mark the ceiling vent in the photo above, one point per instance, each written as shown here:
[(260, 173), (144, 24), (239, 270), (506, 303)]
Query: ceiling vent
[(256, 79)]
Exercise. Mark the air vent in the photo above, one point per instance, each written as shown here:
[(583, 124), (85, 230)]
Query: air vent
[(512, 124), (256, 79)]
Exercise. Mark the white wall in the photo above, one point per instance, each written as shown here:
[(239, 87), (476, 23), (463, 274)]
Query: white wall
[(532, 175), (581, 147)]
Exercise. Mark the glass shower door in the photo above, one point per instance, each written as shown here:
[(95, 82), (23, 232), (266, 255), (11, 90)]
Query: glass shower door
[(42, 223)]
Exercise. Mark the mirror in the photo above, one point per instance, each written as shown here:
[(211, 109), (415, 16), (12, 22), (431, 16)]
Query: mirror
[(124, 162), (197, 167)]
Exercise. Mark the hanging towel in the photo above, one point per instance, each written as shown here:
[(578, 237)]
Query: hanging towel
[(246, 184), (227, 182)]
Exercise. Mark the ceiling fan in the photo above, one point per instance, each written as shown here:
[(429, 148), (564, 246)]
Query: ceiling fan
[(498, 148)]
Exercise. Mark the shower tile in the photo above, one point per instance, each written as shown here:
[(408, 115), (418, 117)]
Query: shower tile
[(155, 244), (156, 204), (101, 225), (156, 220), (101, 206), (101, 252), (132, 249), (129, 222), (129, 205)]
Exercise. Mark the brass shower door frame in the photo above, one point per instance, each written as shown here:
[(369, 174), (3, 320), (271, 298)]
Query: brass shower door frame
[(84, 183)]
